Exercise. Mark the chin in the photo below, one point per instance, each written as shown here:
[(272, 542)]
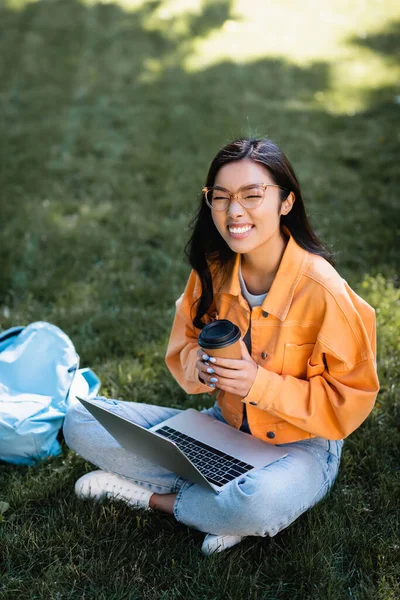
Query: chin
[(240, 246)]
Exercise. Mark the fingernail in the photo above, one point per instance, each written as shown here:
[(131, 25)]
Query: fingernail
[(205, 357), (213, 379), (210, 370), (213, 360), (212, 385)]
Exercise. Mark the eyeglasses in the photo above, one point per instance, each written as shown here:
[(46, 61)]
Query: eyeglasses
[(248, 196)]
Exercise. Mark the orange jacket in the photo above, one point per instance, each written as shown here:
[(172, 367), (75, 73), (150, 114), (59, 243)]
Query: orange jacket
[(313, 339)]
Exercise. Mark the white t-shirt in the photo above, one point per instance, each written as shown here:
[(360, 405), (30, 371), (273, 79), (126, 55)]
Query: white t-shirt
[(252, 299)]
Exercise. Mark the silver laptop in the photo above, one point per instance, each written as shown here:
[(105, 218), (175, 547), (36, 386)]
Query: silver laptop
[(191, 444)]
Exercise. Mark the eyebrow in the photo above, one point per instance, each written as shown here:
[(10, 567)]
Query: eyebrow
[(216, 185)]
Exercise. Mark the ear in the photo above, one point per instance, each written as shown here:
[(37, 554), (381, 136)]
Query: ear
[(287, 204)]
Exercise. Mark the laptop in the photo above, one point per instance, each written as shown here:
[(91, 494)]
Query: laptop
[(191, 444)]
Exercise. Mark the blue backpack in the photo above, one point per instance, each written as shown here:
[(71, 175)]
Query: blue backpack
[(39, 378)]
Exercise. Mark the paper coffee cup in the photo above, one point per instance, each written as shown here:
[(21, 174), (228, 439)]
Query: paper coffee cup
[(221, 338)]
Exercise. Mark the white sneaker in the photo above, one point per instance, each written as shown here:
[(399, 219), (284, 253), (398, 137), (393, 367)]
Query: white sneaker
[(218, 543), (100, 485)]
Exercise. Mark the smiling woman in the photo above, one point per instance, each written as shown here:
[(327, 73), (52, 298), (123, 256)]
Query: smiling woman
[(244, 163), (249, 221), (306, 377)]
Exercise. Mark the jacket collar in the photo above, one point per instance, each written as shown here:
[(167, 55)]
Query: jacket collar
[(280, 295)]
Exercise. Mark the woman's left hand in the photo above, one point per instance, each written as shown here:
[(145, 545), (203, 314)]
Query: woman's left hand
[(235, 376)]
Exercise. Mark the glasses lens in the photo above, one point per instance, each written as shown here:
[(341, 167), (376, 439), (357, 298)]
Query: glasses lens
[(252, 196), (218, 199)]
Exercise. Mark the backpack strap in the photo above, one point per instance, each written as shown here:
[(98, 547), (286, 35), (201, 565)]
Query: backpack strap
[(8, 333)]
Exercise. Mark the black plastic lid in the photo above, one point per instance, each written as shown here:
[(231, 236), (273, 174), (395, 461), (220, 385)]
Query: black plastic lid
[(219, 334)]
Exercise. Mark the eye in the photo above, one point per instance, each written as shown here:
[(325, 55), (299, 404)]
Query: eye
[(252, 194), (220, 195)]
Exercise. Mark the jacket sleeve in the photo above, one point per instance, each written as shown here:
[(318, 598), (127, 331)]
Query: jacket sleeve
[(341, 385), (182, 348)]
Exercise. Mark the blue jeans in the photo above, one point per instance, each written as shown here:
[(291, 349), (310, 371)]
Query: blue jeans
[(260, 503)]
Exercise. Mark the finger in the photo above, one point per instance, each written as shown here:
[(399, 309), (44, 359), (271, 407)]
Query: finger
[(227, 363), (205, 370), (206, 380), (201, 354), (201, 367), (229, 374), (208, 368), (224, 381), (211, 385)]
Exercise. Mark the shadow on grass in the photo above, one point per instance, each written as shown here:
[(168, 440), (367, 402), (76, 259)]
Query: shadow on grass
[(386, 43), (106, 140)]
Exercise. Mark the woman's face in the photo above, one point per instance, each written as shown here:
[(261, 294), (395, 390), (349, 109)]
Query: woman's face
[(259, 226)]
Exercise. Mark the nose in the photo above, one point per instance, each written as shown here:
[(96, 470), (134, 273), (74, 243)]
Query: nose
[(235, 209)]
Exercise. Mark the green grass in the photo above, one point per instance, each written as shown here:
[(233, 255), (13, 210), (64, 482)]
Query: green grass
[(109, 117)]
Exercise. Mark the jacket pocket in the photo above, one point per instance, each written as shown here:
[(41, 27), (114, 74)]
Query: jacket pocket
[(295, 359)]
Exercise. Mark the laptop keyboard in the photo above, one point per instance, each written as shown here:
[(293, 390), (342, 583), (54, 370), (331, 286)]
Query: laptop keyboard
[(216, 466)]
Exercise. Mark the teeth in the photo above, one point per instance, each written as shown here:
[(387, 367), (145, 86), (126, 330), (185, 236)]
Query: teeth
[(240, 229)]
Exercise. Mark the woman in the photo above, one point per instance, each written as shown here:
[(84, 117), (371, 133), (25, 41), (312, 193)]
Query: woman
[(307, 376)]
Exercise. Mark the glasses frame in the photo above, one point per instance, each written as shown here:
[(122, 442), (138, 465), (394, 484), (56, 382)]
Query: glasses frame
[(235, 195)]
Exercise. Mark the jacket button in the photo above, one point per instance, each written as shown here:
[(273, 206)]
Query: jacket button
[(264, 313), (270, 435), (253, 403), (264, 355)]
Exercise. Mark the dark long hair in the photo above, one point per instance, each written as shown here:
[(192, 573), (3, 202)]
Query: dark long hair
[(206, 247)]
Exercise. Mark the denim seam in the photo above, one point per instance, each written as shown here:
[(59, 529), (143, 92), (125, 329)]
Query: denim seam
[(326, 464), (284, 524), (168, 489), (177, 484), (178, 498)]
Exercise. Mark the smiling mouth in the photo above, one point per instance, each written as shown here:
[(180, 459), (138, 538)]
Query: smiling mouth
[(237, 231)]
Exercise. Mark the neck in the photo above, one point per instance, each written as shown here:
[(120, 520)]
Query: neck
[(260, 266)]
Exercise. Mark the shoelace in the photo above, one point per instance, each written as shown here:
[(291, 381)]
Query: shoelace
[(114, 488)]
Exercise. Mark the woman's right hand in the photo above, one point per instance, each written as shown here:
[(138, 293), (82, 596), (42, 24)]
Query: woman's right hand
[(206, 372)]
